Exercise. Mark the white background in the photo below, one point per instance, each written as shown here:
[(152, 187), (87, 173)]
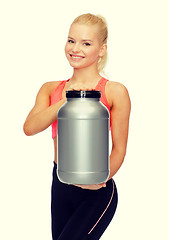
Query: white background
[(33, 35)]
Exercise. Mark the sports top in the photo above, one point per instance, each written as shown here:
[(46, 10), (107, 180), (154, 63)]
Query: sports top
[(56, 96)]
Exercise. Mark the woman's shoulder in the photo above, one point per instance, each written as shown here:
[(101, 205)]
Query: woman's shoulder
[(118, 91), (117, 88), (50, 86)]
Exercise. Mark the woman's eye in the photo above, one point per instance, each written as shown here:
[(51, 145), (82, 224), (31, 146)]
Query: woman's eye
[(70, 41), (87, 44)]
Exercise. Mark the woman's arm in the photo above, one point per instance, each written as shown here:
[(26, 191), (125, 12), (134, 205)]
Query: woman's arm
[(42, 114), (120, 114)]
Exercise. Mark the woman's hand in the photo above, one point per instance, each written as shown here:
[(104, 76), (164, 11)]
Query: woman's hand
[(92, 186), (80, 86)]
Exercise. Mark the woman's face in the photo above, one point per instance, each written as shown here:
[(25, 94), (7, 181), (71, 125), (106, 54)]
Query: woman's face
[(83, 48)]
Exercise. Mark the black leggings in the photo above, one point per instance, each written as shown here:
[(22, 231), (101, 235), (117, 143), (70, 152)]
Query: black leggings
[(81, 214)]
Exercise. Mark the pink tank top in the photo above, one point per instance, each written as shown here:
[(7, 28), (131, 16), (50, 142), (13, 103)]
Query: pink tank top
[(56, 96)]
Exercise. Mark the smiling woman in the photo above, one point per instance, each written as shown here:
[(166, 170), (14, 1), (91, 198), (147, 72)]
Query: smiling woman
[(83, 47), (84, 211), (102, 32)]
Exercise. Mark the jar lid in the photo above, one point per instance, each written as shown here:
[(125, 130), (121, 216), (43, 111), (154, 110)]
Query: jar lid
[(83, 94)]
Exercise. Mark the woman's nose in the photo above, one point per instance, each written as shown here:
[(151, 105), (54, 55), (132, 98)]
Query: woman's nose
[(76, 48)]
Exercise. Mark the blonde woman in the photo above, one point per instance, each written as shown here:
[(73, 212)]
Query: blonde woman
[(82, 212)]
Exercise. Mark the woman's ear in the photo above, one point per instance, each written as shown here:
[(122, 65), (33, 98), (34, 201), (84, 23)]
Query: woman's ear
[(103, 50)]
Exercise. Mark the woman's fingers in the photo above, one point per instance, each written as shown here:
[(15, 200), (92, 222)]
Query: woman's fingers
[(92, 186), (80, 87)]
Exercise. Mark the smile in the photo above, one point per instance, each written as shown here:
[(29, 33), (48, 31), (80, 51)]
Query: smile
[(76, 57)]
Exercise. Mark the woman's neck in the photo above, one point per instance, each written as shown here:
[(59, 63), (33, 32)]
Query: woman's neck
[(85, 76)]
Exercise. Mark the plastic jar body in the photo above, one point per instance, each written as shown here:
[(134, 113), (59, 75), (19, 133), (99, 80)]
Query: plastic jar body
[(83, 141)]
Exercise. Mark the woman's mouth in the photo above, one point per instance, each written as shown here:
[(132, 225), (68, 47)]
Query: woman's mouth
[(76, 57)]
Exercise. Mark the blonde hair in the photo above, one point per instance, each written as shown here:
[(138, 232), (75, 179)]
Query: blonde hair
[(92, 19)]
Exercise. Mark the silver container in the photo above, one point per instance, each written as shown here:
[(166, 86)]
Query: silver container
[(83, 139)]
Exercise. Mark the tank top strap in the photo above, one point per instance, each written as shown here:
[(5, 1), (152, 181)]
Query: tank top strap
[(61, 85), (101, 84), (57, 93), (101, 87)]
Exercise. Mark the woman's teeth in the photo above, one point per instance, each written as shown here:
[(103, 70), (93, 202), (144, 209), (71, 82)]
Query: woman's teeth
[(76, 57)]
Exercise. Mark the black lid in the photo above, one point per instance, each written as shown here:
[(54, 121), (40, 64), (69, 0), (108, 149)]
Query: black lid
[(83, 94)]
